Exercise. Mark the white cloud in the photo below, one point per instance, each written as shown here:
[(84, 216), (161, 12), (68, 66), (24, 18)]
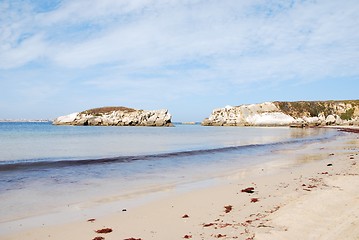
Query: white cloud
[(153, 33), (30, 49)]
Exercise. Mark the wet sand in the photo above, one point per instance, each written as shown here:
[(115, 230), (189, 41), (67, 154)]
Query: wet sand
[(307, 193)]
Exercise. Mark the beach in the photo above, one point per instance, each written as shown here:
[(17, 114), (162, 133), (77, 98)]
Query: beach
[(313, 194)]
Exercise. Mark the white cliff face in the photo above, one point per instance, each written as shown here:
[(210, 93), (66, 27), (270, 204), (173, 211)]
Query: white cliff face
[(268, 114), (264, 114), (268, 119), (118, 118), (66, 119)]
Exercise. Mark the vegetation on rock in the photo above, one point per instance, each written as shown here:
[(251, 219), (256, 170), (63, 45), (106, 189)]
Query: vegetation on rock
[(348, 114), (116, 116), (103, 110), (314, 108), (280, 113)]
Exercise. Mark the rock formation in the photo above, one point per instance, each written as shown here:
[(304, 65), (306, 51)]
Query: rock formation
[(116, 116), (300, 114)]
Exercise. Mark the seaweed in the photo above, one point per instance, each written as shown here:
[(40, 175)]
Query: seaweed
[(98, 238), (104, 230), (228, 208), (248, 190)]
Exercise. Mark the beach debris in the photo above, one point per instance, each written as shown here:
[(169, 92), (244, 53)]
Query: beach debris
[(220, 235), (98, 238), (351, 158), (253, 200), (325, 173), (91, 220), (185, 216), (124, 210), (329, 165), (224, 225), (248, 190), (208, 224), (317, 180), (187, 236), (332, 154), (262, 225), (104, 230), (249, 221), (228, 208), (133, 238)]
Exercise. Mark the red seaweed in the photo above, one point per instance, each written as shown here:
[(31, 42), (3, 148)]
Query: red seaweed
[(208, 224), (224, 225), (219, 235), (104, 230), (98, 238), (248, 190), (253, 200), (228, 208)]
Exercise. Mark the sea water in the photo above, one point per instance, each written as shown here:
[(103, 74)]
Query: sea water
[(46, 168)]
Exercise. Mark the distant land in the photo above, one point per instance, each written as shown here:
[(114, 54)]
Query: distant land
[(25, 120)]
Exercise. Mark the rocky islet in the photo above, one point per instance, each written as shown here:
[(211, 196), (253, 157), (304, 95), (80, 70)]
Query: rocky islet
[(117, 116)]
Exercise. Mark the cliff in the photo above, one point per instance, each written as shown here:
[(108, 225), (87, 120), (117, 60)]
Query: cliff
[(116, 116), (302, 113)]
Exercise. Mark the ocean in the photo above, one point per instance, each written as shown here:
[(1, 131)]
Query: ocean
[(46, 168)]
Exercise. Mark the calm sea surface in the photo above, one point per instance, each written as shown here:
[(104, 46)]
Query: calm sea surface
[(45, 167)]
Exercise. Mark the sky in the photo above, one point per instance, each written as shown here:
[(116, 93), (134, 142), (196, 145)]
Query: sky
[(188, 56)]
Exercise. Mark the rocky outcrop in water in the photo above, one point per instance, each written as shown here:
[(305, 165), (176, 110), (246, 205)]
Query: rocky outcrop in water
[(300, 114), (117, 116)]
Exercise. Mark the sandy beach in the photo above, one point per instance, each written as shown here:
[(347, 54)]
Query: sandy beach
[(307, 193)]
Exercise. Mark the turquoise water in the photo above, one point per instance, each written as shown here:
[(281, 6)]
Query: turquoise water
[(43, 141), (59, 166)]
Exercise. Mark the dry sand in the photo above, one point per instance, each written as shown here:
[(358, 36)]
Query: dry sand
[(308, 193)]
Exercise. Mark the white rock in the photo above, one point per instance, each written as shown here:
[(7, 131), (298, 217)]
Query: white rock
[(119, 118), (330, 120), (273, 118), (66, 119)]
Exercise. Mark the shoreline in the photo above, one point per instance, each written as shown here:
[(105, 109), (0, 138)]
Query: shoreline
[(222, 210)]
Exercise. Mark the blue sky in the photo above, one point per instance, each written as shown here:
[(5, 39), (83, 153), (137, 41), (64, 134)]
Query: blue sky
[(189, 56)]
